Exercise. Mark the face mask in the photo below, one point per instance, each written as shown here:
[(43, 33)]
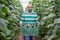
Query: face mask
[(29, 10)]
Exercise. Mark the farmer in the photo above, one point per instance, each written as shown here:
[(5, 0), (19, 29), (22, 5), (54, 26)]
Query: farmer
[(28, 18), (29, 9)]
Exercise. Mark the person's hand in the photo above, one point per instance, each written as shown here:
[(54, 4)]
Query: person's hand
[(19, 24), (39, 19), (38, 24)]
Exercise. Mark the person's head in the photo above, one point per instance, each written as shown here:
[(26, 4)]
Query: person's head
[(29, 8)]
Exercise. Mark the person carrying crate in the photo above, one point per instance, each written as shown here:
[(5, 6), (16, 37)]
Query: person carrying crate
[(29, 23)]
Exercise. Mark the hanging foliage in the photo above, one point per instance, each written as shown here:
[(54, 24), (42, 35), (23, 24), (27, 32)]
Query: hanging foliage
[(48, 11), (10, 12)]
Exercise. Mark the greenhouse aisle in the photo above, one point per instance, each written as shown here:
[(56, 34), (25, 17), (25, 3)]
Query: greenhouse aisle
[(48, 12)]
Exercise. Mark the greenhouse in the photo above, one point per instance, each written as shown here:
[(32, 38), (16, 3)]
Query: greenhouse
[(29, 19)]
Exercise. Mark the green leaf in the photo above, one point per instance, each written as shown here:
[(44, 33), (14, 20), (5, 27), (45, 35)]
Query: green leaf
[(3, 24), (57, 21), (44, 18), (51, 15)]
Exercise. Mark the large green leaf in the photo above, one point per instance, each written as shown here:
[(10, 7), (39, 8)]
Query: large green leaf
[(51, 15), (57, 21)]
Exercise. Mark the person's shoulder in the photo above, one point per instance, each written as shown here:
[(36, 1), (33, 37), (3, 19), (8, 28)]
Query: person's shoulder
[(34, 12), (24, 12)]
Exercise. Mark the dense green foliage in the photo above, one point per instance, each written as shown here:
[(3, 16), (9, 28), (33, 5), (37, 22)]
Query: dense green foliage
[(47, 10), (10, 12), (49, 16)]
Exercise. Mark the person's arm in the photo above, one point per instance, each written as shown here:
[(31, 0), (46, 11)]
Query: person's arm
[(20, 23), (38, 21)]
